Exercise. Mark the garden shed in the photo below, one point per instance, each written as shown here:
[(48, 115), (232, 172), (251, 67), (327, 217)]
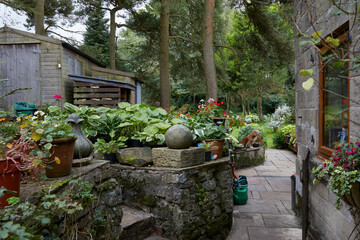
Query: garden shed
[(327, 110), (48, 66)]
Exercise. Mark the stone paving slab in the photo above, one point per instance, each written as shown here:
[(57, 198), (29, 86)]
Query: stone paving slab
[(249, 219), (275, 195), (267, 215), (259, 233), (280, 221), (280, 184)]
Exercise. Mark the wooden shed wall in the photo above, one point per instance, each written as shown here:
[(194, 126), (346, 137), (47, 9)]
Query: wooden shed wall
[(68, 85), (50, 57), (49, 73), (115, 75)]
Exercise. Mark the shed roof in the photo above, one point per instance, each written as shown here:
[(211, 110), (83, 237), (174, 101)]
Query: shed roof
[(51, 40)]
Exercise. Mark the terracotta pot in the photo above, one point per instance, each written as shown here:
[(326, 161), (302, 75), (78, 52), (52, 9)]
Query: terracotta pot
[(10, 179), (353, 199), (63, 148), (216, 147)]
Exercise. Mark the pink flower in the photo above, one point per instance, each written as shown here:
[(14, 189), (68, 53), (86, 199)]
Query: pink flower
[(211, 100), (57, 96)]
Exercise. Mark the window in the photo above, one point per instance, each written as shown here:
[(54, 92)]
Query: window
[(334, 93), (74, 67)]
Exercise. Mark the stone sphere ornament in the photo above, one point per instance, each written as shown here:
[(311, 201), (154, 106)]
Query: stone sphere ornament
[(178, 137)]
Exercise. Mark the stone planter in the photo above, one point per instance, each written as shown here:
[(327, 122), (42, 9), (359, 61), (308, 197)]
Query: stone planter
[(353, 199), (63, 149), (216, 147), (10, 179), (247, 157)]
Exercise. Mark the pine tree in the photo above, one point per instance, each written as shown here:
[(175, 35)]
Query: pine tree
[(96, 37)]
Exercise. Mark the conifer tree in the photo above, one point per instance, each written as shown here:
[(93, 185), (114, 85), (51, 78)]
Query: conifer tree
[(96, 37)]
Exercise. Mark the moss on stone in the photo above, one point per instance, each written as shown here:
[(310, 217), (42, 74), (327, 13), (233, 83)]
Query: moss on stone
[(56, 185), (217, 225), (149, 201)]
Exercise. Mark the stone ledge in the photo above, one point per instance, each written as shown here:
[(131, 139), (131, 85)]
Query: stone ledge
[(153, 168)]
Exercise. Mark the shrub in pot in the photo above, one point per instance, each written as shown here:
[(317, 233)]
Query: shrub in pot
[(109, 148)]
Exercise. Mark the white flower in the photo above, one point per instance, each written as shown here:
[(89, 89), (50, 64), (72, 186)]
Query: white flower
[(41, 113)]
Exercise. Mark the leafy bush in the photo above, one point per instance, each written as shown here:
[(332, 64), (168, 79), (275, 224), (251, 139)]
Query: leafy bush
[(289, 129), (252, 118), (281, 115), (279, 140)]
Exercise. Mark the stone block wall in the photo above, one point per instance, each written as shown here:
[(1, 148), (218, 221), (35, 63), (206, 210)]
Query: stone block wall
[(325, 221), (188, 203)]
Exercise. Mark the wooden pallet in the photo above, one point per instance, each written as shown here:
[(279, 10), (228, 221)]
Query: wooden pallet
[(99, 94)]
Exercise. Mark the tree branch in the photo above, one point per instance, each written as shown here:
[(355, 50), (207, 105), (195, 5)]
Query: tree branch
[(183, 38), (132, 28)]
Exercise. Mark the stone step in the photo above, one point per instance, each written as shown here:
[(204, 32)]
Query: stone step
[(155, 237), (136, 224)]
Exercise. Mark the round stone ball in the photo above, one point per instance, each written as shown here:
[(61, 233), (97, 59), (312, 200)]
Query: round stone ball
[(178, 137)]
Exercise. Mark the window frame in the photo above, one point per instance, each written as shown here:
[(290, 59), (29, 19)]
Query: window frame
[(342, 33)]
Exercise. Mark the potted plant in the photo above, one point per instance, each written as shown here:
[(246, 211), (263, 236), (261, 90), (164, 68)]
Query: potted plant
[(216, 135), (109, 148), (56, 138), (208, 147), (342, 172), (16, 155)]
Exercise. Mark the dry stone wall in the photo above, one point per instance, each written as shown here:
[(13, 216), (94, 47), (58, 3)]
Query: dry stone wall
[(188, 203)]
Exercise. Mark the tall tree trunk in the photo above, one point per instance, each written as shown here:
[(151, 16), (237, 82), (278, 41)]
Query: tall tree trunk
[(112, 36), (208, 50), (243, 106), (259, 109), (164, 55), (39, 17)]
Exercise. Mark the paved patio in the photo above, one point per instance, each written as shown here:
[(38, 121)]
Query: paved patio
[(267, 214)]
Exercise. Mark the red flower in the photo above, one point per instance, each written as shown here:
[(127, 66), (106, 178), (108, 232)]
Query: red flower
[(346, 101), (57, 96)]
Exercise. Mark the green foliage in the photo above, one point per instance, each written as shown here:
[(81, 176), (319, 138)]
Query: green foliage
[(244, 131), (96, 37), (341, 170), (288, 130), (279, 140), (34, 221), (101, 146)]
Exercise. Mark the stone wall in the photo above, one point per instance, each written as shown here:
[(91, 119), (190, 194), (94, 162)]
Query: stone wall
[(102, 217), (188, 203), (325, 221)]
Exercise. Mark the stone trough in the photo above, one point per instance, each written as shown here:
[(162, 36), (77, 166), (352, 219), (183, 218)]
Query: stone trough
[(247, 157)]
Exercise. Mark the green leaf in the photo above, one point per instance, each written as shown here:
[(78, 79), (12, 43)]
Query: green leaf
[(48, 146), (123, 105), (151, 130), (308, 84), (302, 43), (162, 125), (316, 35), (355, 66), (306, 72), (45, 221), (54, 109)]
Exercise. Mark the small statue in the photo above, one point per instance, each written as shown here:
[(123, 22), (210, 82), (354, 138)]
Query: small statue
[(83, 146), (252, 138)]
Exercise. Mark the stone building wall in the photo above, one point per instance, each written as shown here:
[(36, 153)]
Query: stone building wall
[(188, 203), (313, 15)]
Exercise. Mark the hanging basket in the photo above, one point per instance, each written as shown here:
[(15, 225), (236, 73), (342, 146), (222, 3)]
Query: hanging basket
[(353, 198)]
